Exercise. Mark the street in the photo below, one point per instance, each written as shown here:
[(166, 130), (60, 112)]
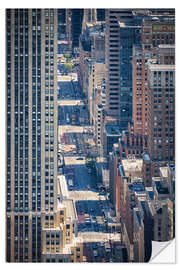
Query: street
[(75, 138)]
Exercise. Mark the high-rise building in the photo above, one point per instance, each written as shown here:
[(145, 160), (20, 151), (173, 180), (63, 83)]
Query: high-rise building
[(155, 31), (122, 32), (126, 28), (93, 15), (138, 234), (101, 14), (76, 26), (62, 23), (162, 210), (161, 113), (91, 47), (90, 15), (59, 235), (31, 129)]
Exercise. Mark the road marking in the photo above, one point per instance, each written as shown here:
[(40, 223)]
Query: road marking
[(69, 102), (83, 195), (99, 236)]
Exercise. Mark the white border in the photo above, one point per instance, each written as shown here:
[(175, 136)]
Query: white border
[(71, 4)]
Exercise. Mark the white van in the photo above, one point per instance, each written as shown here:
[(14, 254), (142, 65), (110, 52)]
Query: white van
[(95, 253)]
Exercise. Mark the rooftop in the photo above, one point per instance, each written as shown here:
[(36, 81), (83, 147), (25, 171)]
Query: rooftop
[(158, 21), (53, 229), (128, 25), (136, 187), (161, 189), (62, 187), (146, 157), (132, 165), (95, 28), (112, 130), (156, 67), (164, 171), (110, 119), (166, 46), (70, 209), (75, 242), (150, 193)]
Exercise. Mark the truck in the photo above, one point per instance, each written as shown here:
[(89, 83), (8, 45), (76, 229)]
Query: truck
[(70, 184), (89, 170), (107, 247), (87, 219), (73, 119), (67, 118), (95, 253), (81, 120), (99, 220)]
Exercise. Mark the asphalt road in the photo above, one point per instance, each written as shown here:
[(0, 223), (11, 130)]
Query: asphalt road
[(83, 181), (90, 206), (68, 90), (67, 112)]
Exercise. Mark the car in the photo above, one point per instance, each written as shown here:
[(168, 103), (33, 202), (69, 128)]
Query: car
[(95, 253), (89, 170), (80, 158), (60, 171), (88, 221), (96, 229)]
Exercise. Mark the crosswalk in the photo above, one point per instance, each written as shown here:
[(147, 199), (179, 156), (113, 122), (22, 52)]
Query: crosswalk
[(99, 236), (84, 195), (67, 102)]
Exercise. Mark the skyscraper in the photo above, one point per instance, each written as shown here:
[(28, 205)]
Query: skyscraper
[(155, 31), (161, 104), (101, 14), (31, 129), (122, 32), (76, 26), (62, 23), (126, 28)]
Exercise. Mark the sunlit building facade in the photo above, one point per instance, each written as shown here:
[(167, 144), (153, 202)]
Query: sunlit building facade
[(31, 130)]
